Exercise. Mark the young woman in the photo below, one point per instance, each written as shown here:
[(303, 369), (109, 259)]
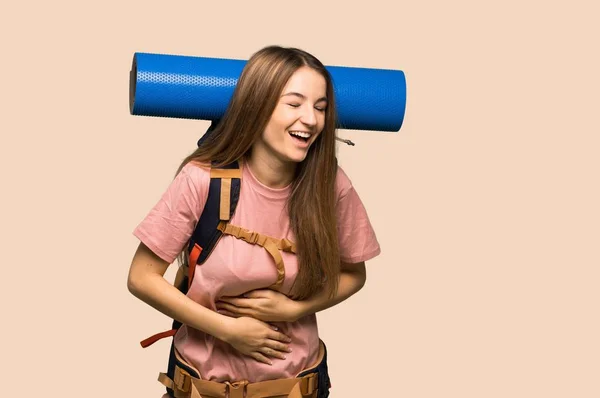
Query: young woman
[(236, 326)]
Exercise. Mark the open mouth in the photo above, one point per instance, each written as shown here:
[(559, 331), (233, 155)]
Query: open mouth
[(300, 136)]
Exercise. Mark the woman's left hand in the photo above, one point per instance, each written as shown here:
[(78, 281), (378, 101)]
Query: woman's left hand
[(264, 304)]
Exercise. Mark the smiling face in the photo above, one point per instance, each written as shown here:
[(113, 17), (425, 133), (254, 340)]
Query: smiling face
[(298, 118)]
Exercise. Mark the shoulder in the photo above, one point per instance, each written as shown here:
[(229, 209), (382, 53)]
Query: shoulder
[(193, 180), (195, 172), (195, 168), (343, 183), (357, 238)]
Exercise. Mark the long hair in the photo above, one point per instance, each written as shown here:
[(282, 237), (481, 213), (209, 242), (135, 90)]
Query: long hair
[(312, 203)]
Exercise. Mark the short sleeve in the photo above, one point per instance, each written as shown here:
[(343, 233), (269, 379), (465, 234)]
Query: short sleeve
[(357, 239), (170, 223)]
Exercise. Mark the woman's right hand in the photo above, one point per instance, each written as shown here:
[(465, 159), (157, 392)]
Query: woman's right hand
[(257, 339)]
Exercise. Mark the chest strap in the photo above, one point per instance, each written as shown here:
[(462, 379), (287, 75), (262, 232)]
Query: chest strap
[(271, 245)]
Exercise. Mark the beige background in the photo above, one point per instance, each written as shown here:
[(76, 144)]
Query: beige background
[(485, 203)]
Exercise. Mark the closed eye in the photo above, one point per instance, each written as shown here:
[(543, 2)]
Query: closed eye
[(320, 109)]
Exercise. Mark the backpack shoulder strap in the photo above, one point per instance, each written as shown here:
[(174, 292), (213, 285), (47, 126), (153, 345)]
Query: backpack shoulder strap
[(223, 197)]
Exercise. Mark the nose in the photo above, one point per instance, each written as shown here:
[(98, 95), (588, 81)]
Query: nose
[(308, 116)]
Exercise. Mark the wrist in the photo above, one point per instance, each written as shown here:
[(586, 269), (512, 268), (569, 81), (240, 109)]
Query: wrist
[(223, 328), (301, 309)]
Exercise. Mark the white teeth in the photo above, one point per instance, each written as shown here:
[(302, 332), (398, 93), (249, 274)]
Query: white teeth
[(300, 134)]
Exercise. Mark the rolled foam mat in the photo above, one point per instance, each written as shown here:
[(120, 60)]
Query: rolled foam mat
[(191, 87)]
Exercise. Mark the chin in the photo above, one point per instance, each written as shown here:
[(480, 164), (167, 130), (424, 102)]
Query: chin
[(297, 157)]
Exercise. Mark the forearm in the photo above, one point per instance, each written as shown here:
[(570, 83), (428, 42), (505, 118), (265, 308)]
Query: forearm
[(157, 292), (350, 282)]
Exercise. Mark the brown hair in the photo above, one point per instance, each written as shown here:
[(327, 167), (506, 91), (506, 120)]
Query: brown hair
[(312, 202)]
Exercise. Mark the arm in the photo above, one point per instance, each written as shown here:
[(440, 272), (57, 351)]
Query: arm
[(146, 282), (271, 306), (249, 336), (352, 279)]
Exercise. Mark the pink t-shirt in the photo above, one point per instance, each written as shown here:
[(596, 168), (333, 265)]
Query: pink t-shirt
[(236, 267)]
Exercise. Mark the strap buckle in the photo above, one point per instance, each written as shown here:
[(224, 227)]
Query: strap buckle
[(309, 383), (252, 237), (236, 389), (182, 380), (249, 236)]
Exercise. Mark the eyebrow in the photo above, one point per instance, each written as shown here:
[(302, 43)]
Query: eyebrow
[(303, 96)]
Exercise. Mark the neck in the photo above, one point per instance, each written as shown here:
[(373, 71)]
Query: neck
[(271, 172)]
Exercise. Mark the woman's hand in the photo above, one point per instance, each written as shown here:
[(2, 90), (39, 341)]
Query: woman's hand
[(265, 304), (257, 339)]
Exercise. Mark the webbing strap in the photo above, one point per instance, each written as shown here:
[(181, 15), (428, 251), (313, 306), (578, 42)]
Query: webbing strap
[(272, 245), (192, 261), (165, 380), (225, 199), (185, 385), (153, 339), (226, 175), (284, 244)]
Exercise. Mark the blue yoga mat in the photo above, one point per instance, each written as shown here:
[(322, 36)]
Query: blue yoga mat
[(190, 87)]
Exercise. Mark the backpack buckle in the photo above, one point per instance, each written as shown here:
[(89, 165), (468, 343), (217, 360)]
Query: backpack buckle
[(182, 380), (236, 389), (253, 237)]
